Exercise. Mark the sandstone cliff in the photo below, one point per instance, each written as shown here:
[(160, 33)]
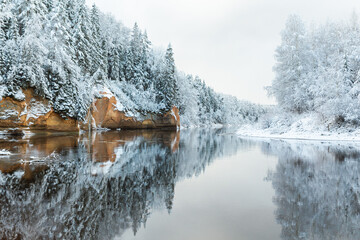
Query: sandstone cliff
[(36, 113)]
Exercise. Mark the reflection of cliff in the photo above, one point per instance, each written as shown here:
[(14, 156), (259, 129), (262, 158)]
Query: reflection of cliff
[(105, 146), (29, 154), (98, 187), (102, 147), (317, 190)]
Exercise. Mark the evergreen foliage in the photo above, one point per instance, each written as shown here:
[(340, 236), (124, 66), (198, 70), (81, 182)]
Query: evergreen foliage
[(67, 51)]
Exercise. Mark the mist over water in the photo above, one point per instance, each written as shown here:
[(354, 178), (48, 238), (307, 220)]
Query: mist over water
[(193, 184)]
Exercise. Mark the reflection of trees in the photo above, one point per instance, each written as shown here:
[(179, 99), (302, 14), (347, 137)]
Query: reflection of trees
[(72, 197), (317, 190)]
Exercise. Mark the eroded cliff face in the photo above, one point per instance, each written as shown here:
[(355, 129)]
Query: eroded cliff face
[(33, 112), (36, 113)]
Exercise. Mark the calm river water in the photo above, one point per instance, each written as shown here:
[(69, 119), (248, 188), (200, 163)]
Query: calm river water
[(194, 184)]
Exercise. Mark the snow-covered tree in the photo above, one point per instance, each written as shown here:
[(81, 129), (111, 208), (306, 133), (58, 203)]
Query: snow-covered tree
[(290, 86), (317, 70), (66, 52), (167, 84)]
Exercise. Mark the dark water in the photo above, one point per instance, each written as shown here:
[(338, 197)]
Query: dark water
[(193, 184)]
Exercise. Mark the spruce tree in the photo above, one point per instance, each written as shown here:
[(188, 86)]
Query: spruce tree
[(60, 65), (13, 32), (98, 55), (49, 4), (114, 64), (168, 85), (82, 38), (146, 67), (2, 33), (3, 67), (30, 10), (135, 69)]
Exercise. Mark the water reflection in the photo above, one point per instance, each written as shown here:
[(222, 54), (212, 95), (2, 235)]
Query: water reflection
[(317, 189), (96, 187), (99, 186)]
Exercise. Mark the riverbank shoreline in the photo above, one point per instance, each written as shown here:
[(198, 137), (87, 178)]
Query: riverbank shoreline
[(331, 136)]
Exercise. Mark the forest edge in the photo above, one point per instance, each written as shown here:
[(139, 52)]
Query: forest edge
[(36, 113)]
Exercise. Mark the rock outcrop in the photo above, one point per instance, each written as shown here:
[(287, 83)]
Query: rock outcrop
[(36, 113), (33, 112)]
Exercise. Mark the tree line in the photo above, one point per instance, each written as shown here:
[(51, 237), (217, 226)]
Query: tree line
[(67, 51)]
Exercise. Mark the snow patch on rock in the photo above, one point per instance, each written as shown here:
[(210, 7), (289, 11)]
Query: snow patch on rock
[(4, 152), (19, 174), (173, 114), (118, 106), (36, 109), (19, 95), (105, 92), (2, 91), (8, 113), (101, 168)]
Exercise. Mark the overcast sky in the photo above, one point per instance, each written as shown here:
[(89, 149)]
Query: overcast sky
[(228, 43)]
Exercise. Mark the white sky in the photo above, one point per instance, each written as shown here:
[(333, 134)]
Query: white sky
[(228, 43)]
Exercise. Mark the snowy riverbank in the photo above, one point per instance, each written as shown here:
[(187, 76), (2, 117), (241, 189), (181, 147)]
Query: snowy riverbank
[(320, 136), (308, 127)]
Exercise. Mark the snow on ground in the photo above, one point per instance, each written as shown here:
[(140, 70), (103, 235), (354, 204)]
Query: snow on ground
[(102, 91), (36, 109), (101, 168), (19, 95), (4, 152), (8, 113), (173, 114), (19, 174), (300, 134), (305, 127), (321, 136)]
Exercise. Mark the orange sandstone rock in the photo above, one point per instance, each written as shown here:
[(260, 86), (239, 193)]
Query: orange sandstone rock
[(53, 121), (102, 114)]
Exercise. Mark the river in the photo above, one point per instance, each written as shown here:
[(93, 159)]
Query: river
[(193, 184)]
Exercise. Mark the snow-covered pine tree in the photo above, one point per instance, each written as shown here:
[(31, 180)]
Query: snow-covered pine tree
[(30, 10), (168, 83), (2, 33), (146, 68), (134, 66), (27, 53), (33, 55), (3, 66), (82, 35), (8, 43), (98, 53), (2, 55), (3, 5), (188, 99), (13, 32), (114, 64), (59, 66), (71, 7)]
